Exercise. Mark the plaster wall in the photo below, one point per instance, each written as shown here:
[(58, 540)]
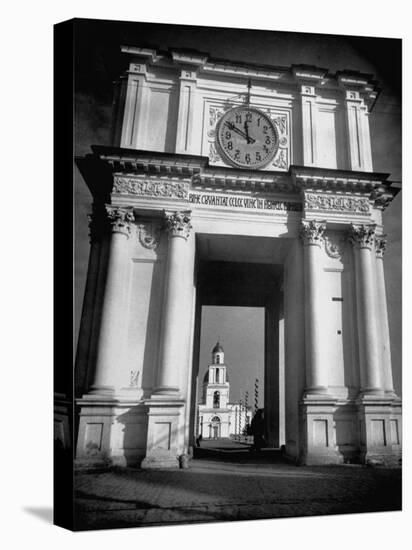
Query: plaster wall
[(145, 303)]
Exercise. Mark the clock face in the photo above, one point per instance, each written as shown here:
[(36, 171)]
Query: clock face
[(247, 138)]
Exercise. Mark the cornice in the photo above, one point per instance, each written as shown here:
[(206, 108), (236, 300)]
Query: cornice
[(293, 74), (137, 161), (196, 173), (380, 189)]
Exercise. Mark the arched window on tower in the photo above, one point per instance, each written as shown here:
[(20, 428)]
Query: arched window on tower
[(216, 400), (217, 375), (217, 359)]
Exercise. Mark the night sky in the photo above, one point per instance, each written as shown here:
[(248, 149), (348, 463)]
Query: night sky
[(98, 63)]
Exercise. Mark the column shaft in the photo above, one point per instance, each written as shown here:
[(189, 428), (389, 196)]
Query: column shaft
[(315, 372), (387, 378), (86, 323), (177, 306), (111, 335), (362, 237)]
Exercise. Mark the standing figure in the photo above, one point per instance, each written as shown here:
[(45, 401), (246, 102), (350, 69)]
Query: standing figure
[(257, 427)]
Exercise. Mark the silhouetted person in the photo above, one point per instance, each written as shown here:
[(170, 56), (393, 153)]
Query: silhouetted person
[(257, 427), (198, 440)]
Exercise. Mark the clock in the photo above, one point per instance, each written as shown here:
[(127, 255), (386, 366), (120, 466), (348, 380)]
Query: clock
[(246, 137)]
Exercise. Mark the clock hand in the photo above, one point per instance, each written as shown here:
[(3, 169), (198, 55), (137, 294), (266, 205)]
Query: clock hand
[(234, 128), (246, 127)]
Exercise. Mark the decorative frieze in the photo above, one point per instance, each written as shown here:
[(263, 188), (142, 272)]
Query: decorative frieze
[(380, 245), (337, 203), (120, 220), (149, 235), (311, 232), (362, 236), (178, 223), (167, 189)]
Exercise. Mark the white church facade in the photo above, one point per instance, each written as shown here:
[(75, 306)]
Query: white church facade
[(217, 417), (233, 184)]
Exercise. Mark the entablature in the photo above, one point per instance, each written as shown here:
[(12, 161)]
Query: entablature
[(160, 175)]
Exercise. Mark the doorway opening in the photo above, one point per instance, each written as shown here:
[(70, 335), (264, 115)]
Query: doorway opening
[(238, 364), (231, 372)]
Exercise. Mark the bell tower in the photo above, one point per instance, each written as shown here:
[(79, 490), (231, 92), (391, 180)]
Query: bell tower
[(216, 385)]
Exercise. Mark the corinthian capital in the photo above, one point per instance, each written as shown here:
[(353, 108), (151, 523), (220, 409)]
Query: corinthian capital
[(311, 232), (97, 223), (380, 245), (120, 219), (362, 236), (178, 223)]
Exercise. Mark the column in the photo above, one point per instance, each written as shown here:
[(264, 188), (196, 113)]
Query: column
[(176, 308), (316, 375), (387, 379), (96, 230), (111, 336), (362, 238)]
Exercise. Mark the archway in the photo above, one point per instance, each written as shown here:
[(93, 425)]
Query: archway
[(244, 284)]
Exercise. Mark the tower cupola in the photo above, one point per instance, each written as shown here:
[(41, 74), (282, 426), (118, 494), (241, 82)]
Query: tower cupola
[(218, 355)]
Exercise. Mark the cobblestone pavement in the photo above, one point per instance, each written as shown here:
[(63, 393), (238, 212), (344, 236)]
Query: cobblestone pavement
[(228, 485)]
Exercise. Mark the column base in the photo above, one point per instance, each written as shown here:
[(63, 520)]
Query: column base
[(100, 391), (63, 412), (318, 436), (316, 391), (172, 391), (112, 431), (380, 421), (372, 393), (160, 462), (165, 432)]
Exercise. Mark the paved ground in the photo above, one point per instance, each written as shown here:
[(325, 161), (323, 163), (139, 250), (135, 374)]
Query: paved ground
[(228, 483)]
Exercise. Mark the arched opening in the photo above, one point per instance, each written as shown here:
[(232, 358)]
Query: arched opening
[(215, 427)]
